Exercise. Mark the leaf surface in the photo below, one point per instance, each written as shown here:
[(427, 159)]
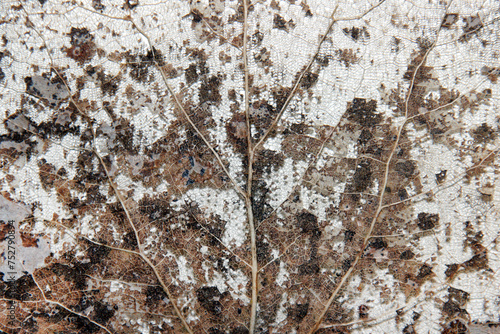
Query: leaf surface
[(249, 167)]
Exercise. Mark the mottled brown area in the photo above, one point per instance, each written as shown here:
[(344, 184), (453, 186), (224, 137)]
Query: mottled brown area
[(363, 112), (347, 56), (280, 23), (357, 34), (237, 131), (427, 221), (183, 158), (29, 240), (209, 90), (484, 133), (209, 298), (455, 327), (82, 45), (309, 80), (298, 312), (405, 168), (267, 161), (362, 177), (263, 57)]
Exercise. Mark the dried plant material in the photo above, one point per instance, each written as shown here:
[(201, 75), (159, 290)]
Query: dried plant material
[(249, 167)]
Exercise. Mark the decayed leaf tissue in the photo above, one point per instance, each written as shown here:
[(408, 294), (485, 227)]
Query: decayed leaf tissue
[(241, 166)]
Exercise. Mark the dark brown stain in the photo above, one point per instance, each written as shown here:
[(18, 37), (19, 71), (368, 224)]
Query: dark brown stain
[(209, 297), (309, 80), (209, 90), (298, 312), (280, 23), (427, 221), (19, 289), (307, 222), (484, 133), (363, 311), (441, 176), (405, 168), (362, 178), (154, 294), (363, 112), (424, 272), (407, 255), (357, 34)]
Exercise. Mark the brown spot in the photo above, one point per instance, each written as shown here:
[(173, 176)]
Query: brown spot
[(452, 269), (492, 74), (362, 112), (456, 326), (307, 222), (348, 235), (97, 5), (423, 272), (130, 4), (478, 261), (82, 45), (423, 73), (280, 94), (196, 16), (306, 8), (364, 137), (378, 243), (266, 161), (472, 25), (18, 289), (108, 84), (263, 57), (308, 80), (263, 252), (237, 131), (357, 34), (209, 90), (154, 294), (409, 329), (29, 240), (4, 229), (441, 176), (427, 221), (309, 268), (406, 168), (47, 173), (363, 311), (452, 308), (407, 255), (347, 56), (209, 297), (459, 296), (257, 38), (191, 74), (402, 194), (298, 312), (280, 23), (155, 208), (362, 178), (484, 133)]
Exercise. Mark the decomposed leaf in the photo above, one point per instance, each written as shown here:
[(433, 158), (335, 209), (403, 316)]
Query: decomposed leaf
[(249, 167)]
